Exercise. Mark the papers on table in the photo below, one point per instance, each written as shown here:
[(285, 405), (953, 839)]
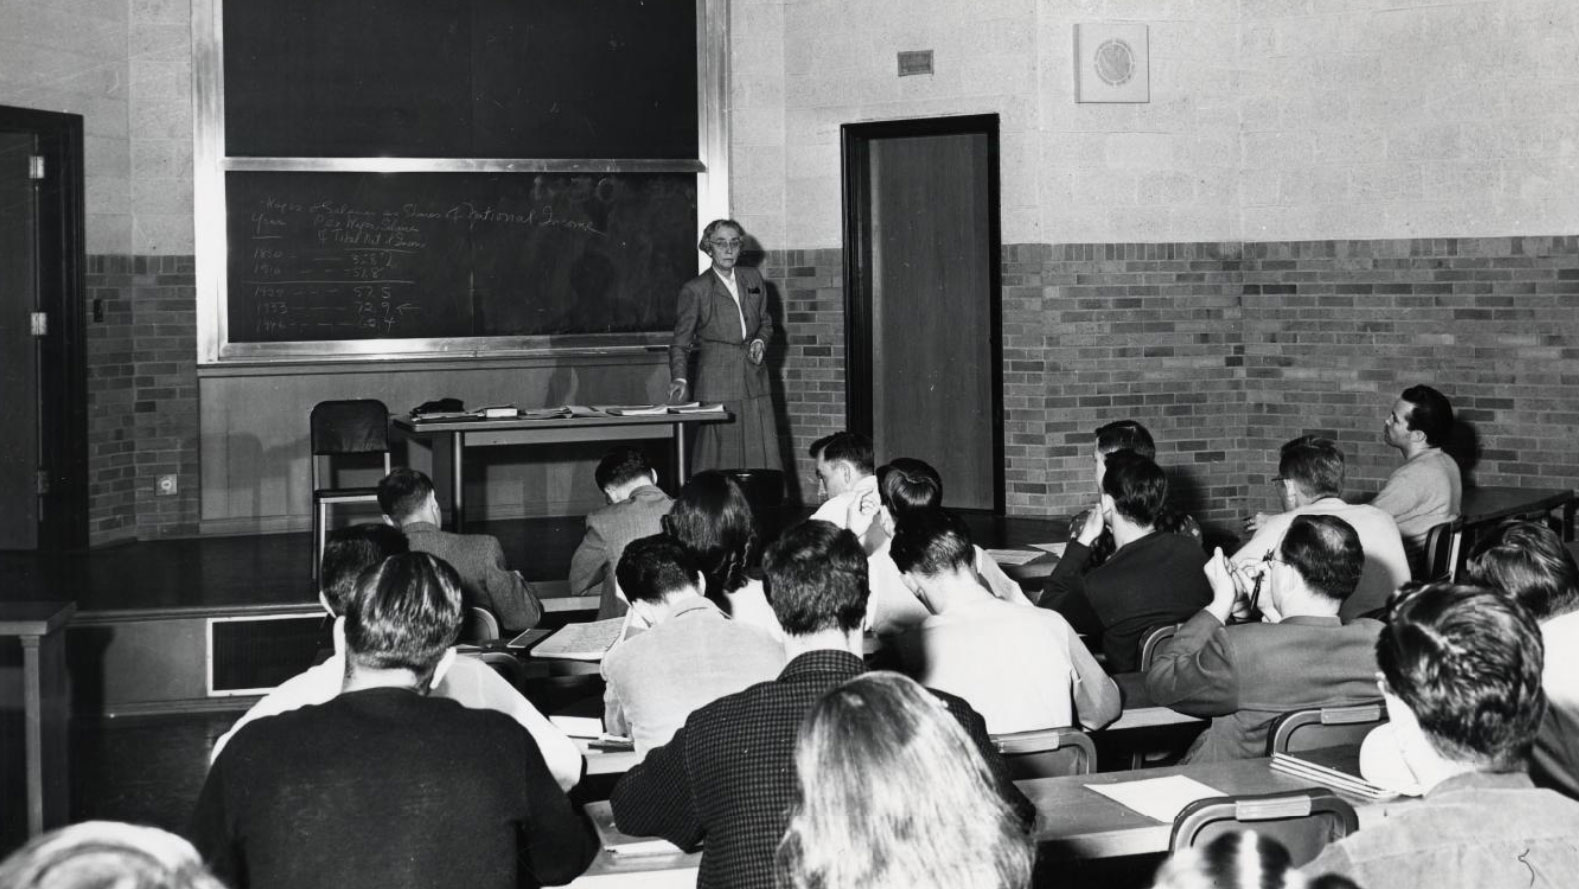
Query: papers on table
[(582, 642), (634, 410), (1056, 549), (1013, 556), (1159, 798)]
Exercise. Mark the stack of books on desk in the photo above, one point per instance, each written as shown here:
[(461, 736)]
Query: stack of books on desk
[(1337, 779)]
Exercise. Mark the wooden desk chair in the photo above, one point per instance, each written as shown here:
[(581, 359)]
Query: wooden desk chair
[(1149, 643), (1047, 753), (1443, 547), (1152, 640), (1316, 728), (343, 428), (479, 625), (1304, 821), (503, 663)]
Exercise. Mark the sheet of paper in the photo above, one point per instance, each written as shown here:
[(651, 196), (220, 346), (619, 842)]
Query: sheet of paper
[(1159, 798), (1056, 549), (1013, 556), (585, 641)]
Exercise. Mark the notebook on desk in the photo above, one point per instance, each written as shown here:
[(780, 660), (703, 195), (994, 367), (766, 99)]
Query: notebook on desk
[(581, 642)]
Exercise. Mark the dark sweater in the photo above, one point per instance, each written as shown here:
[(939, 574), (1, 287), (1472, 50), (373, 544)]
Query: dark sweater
[(1150, 582), (385, 788)]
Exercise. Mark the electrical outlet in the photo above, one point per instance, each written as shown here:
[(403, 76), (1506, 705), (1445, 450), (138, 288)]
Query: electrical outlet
[(166, 486)]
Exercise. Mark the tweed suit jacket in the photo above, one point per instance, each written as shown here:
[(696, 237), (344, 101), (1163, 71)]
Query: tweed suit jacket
[(485, 581), (1246, 675), (728, 775), (707, 323), (609, 531)]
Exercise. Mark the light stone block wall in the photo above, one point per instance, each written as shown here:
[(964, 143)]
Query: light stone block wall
[(1294, 119), (161, 114), (71, 56)]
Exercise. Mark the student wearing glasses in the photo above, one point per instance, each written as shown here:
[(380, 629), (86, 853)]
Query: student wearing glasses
[(1300, 655), (723, 318)]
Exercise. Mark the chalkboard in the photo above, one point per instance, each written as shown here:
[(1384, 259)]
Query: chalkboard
[(318, 256), (461, 78)]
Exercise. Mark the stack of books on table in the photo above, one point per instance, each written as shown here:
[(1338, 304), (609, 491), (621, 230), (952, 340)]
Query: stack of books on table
[(1338, 779)]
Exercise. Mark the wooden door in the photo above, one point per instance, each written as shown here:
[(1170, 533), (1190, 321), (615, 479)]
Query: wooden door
[(924, 310)]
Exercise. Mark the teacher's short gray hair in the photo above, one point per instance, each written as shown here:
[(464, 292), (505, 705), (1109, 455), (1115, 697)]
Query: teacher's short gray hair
[(715, 225)]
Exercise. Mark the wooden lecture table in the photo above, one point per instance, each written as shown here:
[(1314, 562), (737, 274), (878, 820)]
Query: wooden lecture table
[(475, 433), (1072, 822), (40, 626)]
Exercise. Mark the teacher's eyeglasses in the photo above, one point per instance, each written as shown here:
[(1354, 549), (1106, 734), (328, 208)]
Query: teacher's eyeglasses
[(731, 244)]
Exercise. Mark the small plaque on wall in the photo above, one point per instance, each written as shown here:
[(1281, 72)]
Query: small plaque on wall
[(1111, 63)]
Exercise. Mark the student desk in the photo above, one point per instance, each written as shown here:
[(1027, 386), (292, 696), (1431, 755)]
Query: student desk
[(1486, 506), (1072, 821), (46, 705), (463, 434)]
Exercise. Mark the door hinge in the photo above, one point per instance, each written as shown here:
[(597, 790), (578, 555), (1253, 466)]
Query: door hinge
[(35, 166), (40, 323), (43, 482)]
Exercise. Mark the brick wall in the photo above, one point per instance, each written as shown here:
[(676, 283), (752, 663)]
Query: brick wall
[(1226, 350), (142, 396), (810, 291)]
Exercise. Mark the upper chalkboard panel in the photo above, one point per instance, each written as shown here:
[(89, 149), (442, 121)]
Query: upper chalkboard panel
[(460, 78), (428, 256)]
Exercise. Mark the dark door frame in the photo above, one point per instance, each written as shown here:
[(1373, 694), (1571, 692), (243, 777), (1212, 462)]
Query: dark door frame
[(855, 160), (63, 365)]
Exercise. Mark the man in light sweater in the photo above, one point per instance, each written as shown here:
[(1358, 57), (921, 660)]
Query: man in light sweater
[(1427, 490), (1310, 482)]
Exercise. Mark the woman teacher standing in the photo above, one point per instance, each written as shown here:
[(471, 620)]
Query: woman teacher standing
[(723, 317)]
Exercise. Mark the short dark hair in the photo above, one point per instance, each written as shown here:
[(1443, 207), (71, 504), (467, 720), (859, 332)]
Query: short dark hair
[(850, 447), (816, 579), (1314, 463), (653, 567), (1125, 435), (905, 484), (349, 552), (1429, 412), (405, 613), (402, 492), (713, 518), (1529, 562), (621, 465), (1467, 661), (1326, 552), (931, 541), (1138, 486)]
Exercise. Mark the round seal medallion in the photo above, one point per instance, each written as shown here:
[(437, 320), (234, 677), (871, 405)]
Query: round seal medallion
[(1114, 62)]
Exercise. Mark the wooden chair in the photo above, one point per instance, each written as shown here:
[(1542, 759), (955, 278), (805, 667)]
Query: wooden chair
[(1304, 821), (1443, 547), (1317, 728), (342, 428), (479, 625), (1047, 753), (503, 663), (1152, 640)]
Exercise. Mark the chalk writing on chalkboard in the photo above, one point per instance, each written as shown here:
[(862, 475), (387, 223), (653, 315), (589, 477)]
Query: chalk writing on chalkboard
[(340, 256)]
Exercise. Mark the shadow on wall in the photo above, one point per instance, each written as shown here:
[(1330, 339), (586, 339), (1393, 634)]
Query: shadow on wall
[(1465, 449)]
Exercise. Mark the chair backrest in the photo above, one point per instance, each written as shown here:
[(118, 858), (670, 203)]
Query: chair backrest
[(1316, 728), (1047, 753), (503, 663), (1443, 543), (1304, 821), (479, 626), (1152, 640), (354, 426)]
